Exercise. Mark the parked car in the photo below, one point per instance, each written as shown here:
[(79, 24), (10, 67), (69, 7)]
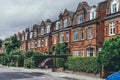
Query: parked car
[(47, 63), (114, 76)]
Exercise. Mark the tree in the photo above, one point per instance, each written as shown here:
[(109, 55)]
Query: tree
[(12, 48), (30, 53), (109, 57), (61, 48), (13, 44)]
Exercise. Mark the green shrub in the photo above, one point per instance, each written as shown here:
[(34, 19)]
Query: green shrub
[(60, 62), (40, 58), (12, 64), (27, 63), (21, 61), (4, 60), (30, 53), (84, 64)]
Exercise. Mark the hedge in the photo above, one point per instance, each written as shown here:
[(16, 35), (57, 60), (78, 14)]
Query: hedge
[(60, 62), (83, 64), (21, 61), (35, 60), (28, 63), (4, 60)]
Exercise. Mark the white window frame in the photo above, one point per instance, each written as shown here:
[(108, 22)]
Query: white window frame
[(92, 13), (31, 34), (57, 25), (111, 28), (82, 52), (46, 42), (90, 33), (80, 18), (48, 29), (38, 43), (28, 45), (33, 44), (26, 34), (42, 31), (55, 39), (22, 37), (114, 6), (75, 34), (90, 52), (61, 38), (75, 53), (43, 42), (35, 33), (65, 22), (82, 34), (67, 37)]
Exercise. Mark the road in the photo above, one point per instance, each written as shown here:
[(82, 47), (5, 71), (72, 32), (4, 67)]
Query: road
[(14, 74)]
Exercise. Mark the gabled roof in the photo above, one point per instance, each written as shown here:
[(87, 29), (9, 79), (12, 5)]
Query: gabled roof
[(70, 13), (82, 5)]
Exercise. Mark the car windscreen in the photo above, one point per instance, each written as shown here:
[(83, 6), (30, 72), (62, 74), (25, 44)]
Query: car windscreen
[(47, 59)]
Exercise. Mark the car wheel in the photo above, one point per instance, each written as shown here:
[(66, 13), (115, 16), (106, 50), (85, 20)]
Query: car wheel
[(46, 67)]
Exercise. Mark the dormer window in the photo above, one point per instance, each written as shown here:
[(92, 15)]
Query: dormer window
[(65, 22), (92, 13), (48, 29), (26, 35), (35, 34), (114, 6), (80, 19), (57, 25), (23, 38), (42, 31), (31, 33)]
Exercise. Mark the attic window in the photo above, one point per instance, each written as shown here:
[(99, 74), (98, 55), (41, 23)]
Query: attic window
[(114, 6), (48, 28), (92, 13), (42, 31), (80, 19), (26, 34), (65, 22), (57, 25), (31, 34)]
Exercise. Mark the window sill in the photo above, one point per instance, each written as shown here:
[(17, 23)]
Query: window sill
[(90, 38), (111, 34)]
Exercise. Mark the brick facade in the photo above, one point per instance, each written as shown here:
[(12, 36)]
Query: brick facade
[(112, 20), (84, 30)]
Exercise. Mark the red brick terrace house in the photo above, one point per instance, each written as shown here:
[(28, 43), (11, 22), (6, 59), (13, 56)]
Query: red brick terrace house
[(24, 39), (85, 29), (32, 41), (112, 20), (43, 38), (62, 28), (87, 32)]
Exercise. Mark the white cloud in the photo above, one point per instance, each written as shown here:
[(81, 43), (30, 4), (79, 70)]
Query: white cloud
[(16, 15)]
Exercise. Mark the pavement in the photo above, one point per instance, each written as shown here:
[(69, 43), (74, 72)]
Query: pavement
[(68, 76)]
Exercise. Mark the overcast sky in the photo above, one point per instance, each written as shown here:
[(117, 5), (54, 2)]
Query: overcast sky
[(16, 15)]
